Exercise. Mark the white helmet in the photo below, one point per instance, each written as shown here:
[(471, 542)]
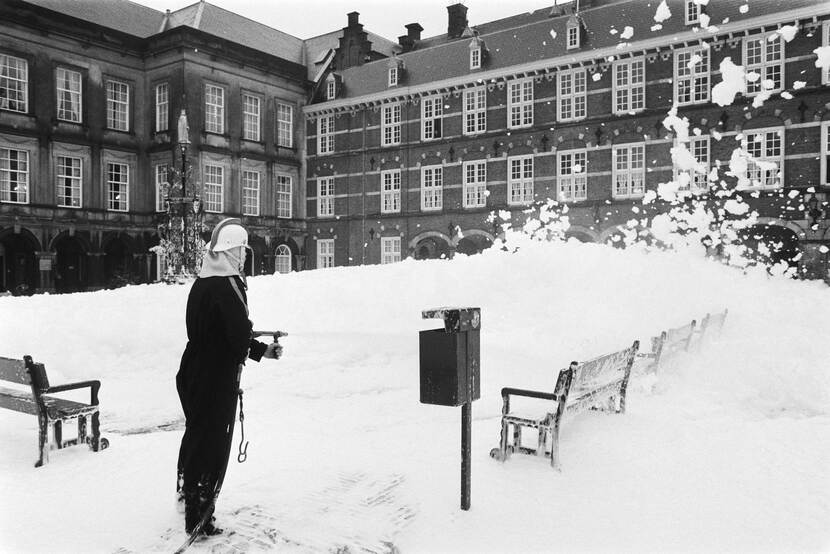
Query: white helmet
[(229, 233)]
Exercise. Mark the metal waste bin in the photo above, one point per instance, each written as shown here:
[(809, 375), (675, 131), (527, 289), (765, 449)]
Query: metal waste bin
[(450, 357)]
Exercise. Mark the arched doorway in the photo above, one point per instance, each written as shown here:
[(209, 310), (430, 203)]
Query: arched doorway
[(473, 244), (18, 264), (431, 248), (282, 259), (117, 263), (71, 272), (770, 245)]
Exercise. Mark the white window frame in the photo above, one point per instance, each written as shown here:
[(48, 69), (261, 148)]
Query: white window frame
[(630, 175), (475, 58), (161, 174), (116, 188), (699, 76), (162, 93), (285, 125), (520, 104), (390, 125), (769, 66), (475, 184), (282, 259), (325, 134), (390, 250), (214, 187), (775, 176), (331, 89), (629, 85), (283, 188), (825, 41), (22, 174), (325, 197), (70, 97), (698, 179), (693, 9), (572, 95), (214, 109), (432, 188), (572, 36), (325, 253), (572, 186), (393, 76), (825, 153), (251, 117), (69, 180), (14, 84), (251, 182), (118, 105), (390, 191), (475, 111), (520, 189), (432, 112)]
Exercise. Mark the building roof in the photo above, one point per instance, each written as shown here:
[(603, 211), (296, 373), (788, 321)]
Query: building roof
[(537, 36), (121, 15)]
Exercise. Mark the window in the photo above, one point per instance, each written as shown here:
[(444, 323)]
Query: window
[(69, 178), (475, 58), (283, 196), (692, 12), (162, 186), (572, 40), (250, 110), (475, 184), (629, 170), (118, 106), (571, 94), (250, 193), (520, 180), (520, 104), (390, 201), (214, 109), (825, 41), (391, 124), (764, 62), (629, 86), (118, 187), (393, 76), (14, 176), (325, 197), (282, 259), (432, 187), (162, 107), (285, 125), (697, 179), (475, 111), (573, 175), (14, 84), (69, 95), (325, 134), (331, 89), (214, 188), (691, 76), (390, 250), (766, 150), (431, 111), (325, 253), (825, 153)]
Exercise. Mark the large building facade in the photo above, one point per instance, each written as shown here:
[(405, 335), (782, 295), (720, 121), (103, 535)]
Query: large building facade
[(408, 156)]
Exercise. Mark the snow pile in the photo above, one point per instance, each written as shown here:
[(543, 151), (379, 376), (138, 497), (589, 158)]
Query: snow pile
[(733, 82), (663, 12)]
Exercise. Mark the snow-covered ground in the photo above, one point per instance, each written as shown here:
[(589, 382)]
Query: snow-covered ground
[(726, 451)]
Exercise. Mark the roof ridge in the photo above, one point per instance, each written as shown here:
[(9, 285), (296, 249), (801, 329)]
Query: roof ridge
[(251, 20), (199, 11)]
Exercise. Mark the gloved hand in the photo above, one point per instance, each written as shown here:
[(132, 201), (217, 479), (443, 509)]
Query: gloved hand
[(273, 351)]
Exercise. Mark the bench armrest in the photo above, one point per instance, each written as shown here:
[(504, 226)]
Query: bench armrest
[(529, 393), (646, 354), (93, 385)]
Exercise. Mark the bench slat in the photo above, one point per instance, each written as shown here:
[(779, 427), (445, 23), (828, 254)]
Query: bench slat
[(13, 371), (17, 400), (58, 408)]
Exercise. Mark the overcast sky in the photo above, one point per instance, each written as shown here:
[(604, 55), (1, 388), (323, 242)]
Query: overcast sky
[(308, 18)]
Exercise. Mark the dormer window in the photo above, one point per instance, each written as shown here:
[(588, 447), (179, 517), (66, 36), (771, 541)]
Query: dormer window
[(331, 89), (692, 12), (572, 33), (476, 52), (394, 71), (393, 76)]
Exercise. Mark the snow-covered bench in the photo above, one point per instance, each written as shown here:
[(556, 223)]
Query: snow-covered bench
[(682, 339), (50, 410), (598, 384)]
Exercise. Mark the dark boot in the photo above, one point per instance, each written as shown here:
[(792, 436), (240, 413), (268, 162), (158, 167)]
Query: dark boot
[(192, 510)]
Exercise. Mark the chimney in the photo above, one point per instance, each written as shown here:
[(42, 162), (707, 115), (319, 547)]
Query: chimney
[(457, 20), (406, 43), (413, 31), (353, 19)]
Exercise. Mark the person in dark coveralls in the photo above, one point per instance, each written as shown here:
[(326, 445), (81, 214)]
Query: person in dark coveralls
[(218, 342)]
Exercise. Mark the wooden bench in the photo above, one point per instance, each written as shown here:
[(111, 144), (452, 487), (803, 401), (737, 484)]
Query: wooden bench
[(669, 343), (712, 323), (50, 410), (598, 384)]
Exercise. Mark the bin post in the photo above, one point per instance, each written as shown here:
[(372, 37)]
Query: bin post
[(450, 373)]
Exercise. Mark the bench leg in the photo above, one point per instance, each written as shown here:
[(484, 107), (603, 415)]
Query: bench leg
[(554, 443), (58, 434), (43, 440), (82, 430), (505, 428), (542, 441), (517, 437), (96, 433)]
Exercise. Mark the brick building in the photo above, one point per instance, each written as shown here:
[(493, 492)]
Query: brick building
[(408, 155), (90, 93)]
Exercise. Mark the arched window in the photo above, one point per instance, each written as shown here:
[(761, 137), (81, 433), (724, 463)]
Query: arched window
[(283, 259)]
